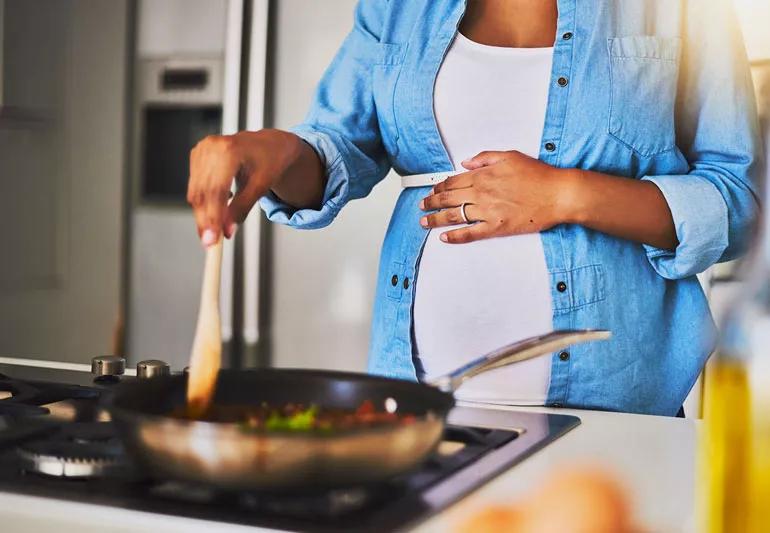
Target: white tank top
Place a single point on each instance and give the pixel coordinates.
(473, 298)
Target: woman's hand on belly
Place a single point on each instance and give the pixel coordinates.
(510, 193)
(506, 193)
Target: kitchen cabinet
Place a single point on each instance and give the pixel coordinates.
(2, 10)
(32, 144)
(33, 45)
(61, 162)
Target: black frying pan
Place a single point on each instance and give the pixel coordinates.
(225, 456)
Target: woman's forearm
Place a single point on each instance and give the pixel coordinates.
(302, 183)
(627, 208)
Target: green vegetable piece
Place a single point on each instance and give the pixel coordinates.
(303, 420)
(276, 422)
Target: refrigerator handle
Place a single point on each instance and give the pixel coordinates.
(230, 112)
(255, 120)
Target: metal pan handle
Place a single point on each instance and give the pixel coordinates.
(517, 352)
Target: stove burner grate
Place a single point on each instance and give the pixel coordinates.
(17, 392)
(77, 450)
(24, 399)
(18, 399)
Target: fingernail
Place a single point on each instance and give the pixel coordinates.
(208, 238)
(464, 161)
(424, 222)
(443, 237)
(422, 204)
(231, 230)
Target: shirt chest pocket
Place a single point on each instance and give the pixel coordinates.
(643, 80)
(385, 73)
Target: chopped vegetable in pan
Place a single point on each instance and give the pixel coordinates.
(300, 420)
(298, 417)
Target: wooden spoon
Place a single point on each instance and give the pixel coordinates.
(206, 356)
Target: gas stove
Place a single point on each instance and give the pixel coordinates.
(57, 441)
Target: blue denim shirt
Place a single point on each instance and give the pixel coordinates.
(658, 91)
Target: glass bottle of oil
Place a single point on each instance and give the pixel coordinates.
(735, 448)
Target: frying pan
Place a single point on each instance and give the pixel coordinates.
(225, 456)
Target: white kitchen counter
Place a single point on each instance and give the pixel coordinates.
(653, 456)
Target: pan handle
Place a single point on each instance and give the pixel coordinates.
(517, 352)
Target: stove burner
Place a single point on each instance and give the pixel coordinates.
(78, 450)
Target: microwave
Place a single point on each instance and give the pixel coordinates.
(180, 102)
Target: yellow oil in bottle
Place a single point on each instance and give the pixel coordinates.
(760, 443)
(724, 460)
(735, 450)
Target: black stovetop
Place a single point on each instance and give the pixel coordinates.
(55, 413)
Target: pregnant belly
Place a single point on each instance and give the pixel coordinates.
(473, 298)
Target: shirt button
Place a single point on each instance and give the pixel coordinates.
(567, 36)
(406, 283)
(550, 147)
(394, 280)
(562, 81)
(561, 286)
(564, 356)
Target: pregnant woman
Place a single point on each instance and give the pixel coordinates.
(600, 155)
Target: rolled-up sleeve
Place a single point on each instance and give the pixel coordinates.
(342, 126)
(715, 204)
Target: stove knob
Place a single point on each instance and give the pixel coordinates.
(152, 368)
(108, 365)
